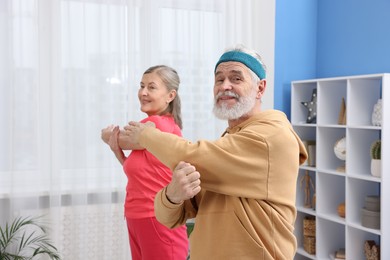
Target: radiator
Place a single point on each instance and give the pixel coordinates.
(93, 232)
(81, 226)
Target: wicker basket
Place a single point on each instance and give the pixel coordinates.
(309, 244)
(372, 250)
(309, 226)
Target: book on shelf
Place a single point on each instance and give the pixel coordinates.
(341, 253)
(310, 146)
(333, 257)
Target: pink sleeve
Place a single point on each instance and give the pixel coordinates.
(164, 124)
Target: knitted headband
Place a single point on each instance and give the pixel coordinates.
(246, 59)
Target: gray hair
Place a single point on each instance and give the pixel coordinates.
(172, 81)
(254, 54)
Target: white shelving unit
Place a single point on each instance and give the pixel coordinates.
(333, 186)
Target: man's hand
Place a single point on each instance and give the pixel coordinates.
(185, 183)
(134, 129)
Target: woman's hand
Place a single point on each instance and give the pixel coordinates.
(106, 133)
(113, 141)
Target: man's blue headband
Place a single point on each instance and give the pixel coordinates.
(252, 63)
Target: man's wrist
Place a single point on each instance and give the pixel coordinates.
(166, 195)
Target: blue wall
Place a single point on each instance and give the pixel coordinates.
(295, 47)
(329, 38)
(353, 37)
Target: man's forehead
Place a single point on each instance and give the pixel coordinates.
(231, 66)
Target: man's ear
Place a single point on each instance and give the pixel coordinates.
(261, 86)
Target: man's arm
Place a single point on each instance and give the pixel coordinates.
(123, 141)
(172, 204)
(185, 183)
(237, 164)
(223, 163)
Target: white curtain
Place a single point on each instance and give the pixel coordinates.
(68, 68)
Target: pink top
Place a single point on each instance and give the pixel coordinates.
(146, 175)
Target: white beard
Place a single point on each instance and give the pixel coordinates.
(242, 107)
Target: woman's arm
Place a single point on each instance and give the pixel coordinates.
(113, 143)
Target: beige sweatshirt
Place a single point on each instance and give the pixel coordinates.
(246, 209)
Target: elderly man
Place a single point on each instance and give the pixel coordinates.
(241, 187)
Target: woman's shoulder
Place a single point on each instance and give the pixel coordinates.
(157, 119)
(165, 123)
(154, 119)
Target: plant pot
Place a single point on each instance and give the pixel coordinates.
(376, 167)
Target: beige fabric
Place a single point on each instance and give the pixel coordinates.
(248, 179)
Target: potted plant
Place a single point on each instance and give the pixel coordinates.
(25, 238)
(376, 158)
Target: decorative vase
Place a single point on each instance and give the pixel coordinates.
(341, 210)
(376, 167)
(376, 118)
(341, 152)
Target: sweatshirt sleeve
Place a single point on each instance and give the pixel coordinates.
(170, 214)
(226, 165)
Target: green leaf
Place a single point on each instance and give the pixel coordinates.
(31, 238)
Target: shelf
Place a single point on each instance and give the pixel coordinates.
(344, 110)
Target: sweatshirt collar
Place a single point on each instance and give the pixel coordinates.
(263, 115)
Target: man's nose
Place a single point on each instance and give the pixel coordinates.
(226, 84)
